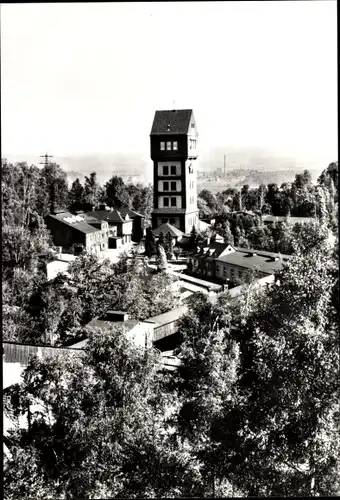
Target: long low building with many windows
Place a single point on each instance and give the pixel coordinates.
(233, 265)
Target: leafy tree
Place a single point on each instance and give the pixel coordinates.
(76, 195)
(169, 246)
(161, 239)
(287, 418)
(116, 192)
(146, 201)
(93, 192)
(204, 210)
(105, 438)
(162, 262)
(21, 247)
(193, 240)
(150, 243)
(209, 198)
(56, 185)
(223, 228)
(206, 378)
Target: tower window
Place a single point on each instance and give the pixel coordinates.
(168, 146)
(165, 186)
(173, 170)
(175, 145)
(173, 186)
(165, 202)
(165, 170)
(162, 146)
(192, 125)
(173, 202)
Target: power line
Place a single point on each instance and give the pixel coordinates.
(46, 157)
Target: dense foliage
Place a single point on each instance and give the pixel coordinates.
(36, 310)
(253, 409)
(239, 213)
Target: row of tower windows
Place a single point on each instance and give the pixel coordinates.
(172, 186)
(191, 199)
(173, 145)
(172, 170)
(191, 184)
(170, 146)
(169, 202)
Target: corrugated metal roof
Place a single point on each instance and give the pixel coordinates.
(170, 122)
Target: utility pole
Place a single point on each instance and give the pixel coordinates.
(53, 188)
(46, 157)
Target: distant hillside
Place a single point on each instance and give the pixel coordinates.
(249, 160)
(105, 165)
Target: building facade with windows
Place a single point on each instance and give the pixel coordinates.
(70, 231)
(120, 224)
(173, 142)
(228, 264)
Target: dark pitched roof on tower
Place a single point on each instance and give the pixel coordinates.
(171, 122)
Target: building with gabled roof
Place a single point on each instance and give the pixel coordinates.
(139, 332)
(70, 231)
(117, 219)
(226, 263)
(138, 220)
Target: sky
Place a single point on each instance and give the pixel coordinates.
(87, 78)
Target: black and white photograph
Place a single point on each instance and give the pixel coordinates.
(170, 250)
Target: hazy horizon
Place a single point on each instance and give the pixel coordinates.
(86, 79)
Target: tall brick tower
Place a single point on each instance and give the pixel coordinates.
(173, 142)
